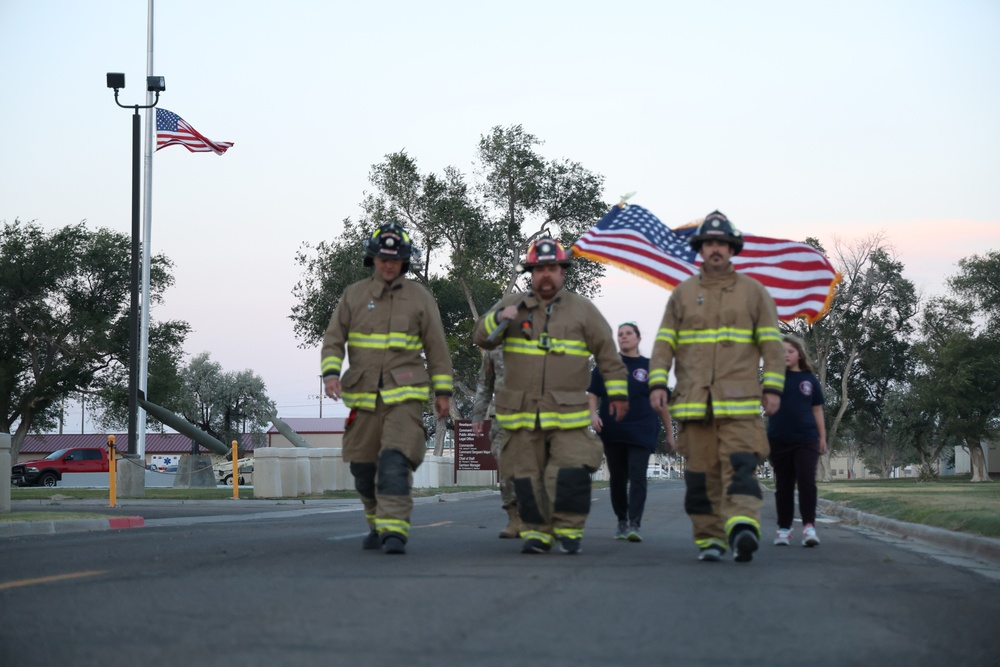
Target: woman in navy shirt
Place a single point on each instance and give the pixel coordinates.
(629, 442)
(797, 436)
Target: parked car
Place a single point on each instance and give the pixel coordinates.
(224, 471)
(50, 470)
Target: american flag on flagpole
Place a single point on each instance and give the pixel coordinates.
(172, 130)
(799, 278)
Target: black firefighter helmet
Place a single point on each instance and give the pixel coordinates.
(389, 241)
(717, 226)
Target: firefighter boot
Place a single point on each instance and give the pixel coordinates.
(513, 528)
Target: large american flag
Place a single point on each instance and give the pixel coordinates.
(799, 278)
(172, 130)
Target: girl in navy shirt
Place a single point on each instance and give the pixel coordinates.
(797, 436)
(629, 442)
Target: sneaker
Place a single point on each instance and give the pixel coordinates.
(633, 533)
(569, 545)
(394, 545)
(622, 532)
(809, 538)
(371, 541)
(744, 544)
(534, 546)
(783, 538)
(711, 553)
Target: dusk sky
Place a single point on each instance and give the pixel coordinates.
(795, 119)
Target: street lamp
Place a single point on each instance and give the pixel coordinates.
(154, 84)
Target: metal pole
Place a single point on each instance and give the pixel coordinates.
(133, 317)
(147, 231)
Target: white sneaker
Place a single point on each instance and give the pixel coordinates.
(809, 538)
(783, 538)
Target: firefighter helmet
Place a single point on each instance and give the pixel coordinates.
(717, 226)
(546, 250)
(389, 241)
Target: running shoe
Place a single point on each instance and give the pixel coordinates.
(783, 537)
(809, 538)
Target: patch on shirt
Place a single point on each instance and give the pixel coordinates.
(806, 388)
(640, 374)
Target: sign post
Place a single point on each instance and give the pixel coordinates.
(472, 452)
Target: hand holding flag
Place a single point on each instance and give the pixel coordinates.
(172, 130)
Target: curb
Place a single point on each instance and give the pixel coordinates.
(986, 548)
(18, 528)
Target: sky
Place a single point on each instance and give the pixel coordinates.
(795, 119)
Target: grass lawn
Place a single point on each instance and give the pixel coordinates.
(950, 502)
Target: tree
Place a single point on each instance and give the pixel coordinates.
(222, 404)
(471, 238)
(64, 311)
(861, 346)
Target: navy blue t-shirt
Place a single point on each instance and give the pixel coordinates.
(641, 425)
(794, 423)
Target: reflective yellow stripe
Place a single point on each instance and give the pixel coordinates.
(731, 523)
(747, 406)
(520, 346)
(331, 364)
(362, 400)
(768, 333)
(668, 336)
(564, 420)
(392, 526)
(395, 340)
(572, 533)
(576, 348)
(711, 542)
(442, 382)
(688, 410)
(774, 380)
(516, 421)
(405, 393)
(723, 334)
(616, 388)
(537, 535)
(490, 323)
(658, 376)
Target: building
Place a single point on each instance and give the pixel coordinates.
(37, 447)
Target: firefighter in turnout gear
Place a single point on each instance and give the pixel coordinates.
(548, 336)
(490, 381)
(386, 322)
(717, 326)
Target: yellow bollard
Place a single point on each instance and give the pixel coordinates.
(236, 471)
(112, 469)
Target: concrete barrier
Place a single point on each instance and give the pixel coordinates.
(5, 465)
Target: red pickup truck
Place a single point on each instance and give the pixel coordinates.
(48, 471)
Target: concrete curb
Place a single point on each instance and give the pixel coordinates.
(978, 546)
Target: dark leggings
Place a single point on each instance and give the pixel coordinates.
(794, 464)
(627, 470)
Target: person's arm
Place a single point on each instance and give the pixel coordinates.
(668, 425)
(595, 419)
(484, 394)
(821, 427)
(334, 342)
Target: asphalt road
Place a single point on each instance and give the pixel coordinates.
(273, 585)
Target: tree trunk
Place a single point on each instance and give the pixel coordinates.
(977, 457)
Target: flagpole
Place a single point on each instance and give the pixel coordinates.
(147, 215)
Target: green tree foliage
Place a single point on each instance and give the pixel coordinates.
(861, 347)
(223, 404)
(471, 236)
(64, 296)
